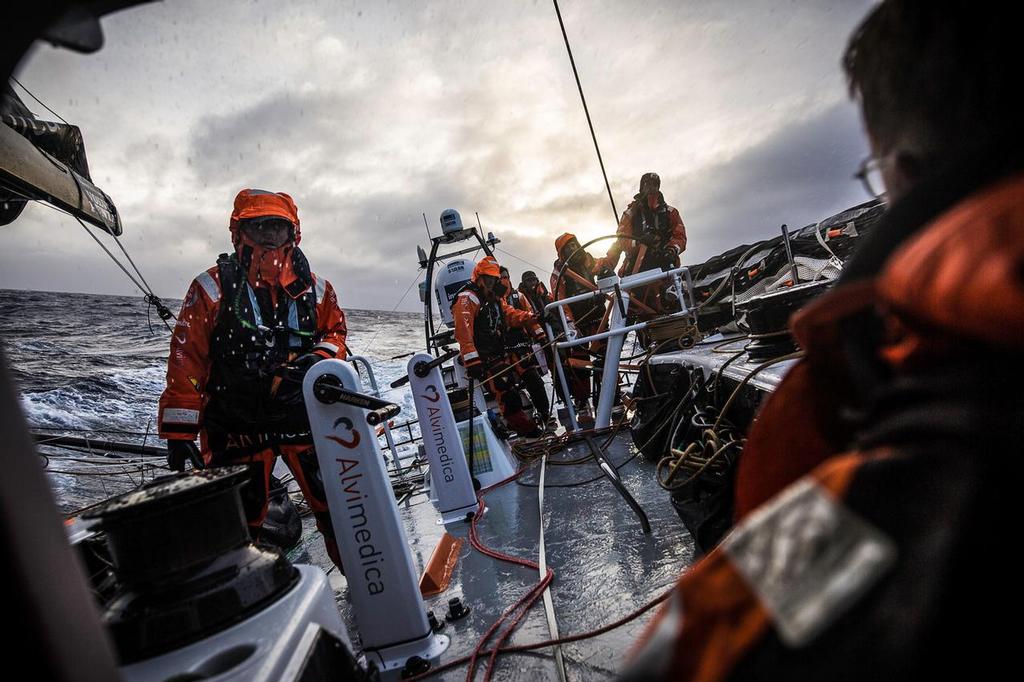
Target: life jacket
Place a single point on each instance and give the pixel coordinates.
(538, 296)
(253, 337)
(584, 312)
(489, 327)
(654, 228)
(517, 339)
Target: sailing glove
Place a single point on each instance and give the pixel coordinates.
(180, 450)
(475, 370)
(290, 392)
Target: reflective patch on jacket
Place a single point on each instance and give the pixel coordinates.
(210, 286)
(808, 558)
(177, 415)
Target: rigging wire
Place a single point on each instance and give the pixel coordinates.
(586, 110)
(533, 265)
(41, 103)
(103, 246)
(380, 325)
(152, 299)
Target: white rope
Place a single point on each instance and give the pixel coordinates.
(542, 568)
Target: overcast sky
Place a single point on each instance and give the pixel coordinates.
(371, 113)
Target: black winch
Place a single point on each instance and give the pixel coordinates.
(767, 317)
(184, 563)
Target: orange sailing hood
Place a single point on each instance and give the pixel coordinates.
(257, 203)
(487, 266)
(562, 241)
(965, 271)
(285, 266)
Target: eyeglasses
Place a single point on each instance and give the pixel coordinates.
(267, 224)
(870, 175)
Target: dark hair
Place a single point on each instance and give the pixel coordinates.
(943, 74)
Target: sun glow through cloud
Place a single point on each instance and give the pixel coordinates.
(371, 114)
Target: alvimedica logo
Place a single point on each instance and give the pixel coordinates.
(440, 444)
(371, 559)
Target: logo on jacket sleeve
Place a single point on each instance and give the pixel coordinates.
(808, 558)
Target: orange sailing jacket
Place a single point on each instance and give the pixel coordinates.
(871, 536)
(188, 368)
(479, 338)
(675, 238)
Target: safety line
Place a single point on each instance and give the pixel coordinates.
(542, 569)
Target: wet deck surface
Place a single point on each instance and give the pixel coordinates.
(605, 566)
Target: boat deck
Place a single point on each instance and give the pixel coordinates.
(604, 566)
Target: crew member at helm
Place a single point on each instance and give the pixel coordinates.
(482, 319)
(652, 236)
(249, 329)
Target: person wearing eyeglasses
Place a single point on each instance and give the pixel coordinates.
(248, 330)
(873, 496)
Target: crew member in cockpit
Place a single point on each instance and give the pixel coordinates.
(521, 352)
(482, 319)
(652, 235)
(248, 330)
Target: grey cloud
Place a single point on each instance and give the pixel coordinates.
(797, 176)
(370, 114)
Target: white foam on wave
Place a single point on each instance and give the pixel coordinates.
(131, 405)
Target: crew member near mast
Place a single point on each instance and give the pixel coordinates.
(249, 329)
(482, 319)
(520, 349)
(652, 236)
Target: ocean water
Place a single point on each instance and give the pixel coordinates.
(93, 364)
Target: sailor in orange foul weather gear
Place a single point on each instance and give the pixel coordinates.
(658, 236)
(573, 275)
(539, 297)
(248, 330)
(482, 319)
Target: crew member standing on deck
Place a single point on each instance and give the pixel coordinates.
(652, 236)
(539, 297)
(573, 275)
(482, 319)
(535, 291)
(249, 329)
(520, 347)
